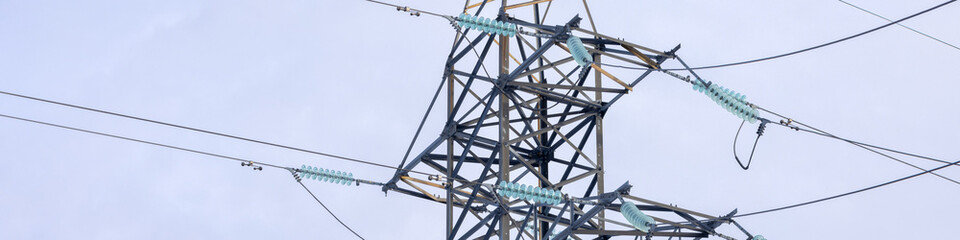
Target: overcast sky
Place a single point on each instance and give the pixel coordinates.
(353, 78)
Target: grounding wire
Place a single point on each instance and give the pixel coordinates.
(328, 210)
(206, 131)
(904, 26)
(797, 51)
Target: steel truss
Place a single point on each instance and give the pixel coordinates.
(539, 122)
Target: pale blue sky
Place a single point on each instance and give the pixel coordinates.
(353, 78)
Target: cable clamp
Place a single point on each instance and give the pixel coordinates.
(407, 9)
(788, 123)
(250, 163)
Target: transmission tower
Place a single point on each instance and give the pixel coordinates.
(521, 151)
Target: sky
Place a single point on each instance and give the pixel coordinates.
(353, 78)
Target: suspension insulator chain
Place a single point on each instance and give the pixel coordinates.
(638, 219)
(579, 52)
(530, 193)
(730, 100)
(326, 175)
(487, 25)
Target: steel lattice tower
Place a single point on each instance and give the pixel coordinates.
(537, 119)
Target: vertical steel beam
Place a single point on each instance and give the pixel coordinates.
(450, 177)
(599, 138)
(542, 123)
(449, 173)
(504, 70)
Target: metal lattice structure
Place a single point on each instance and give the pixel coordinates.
(536, 119)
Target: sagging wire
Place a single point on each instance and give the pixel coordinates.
(763, 126)
(295, 176)
(194, 129)
(243, 162)
(801, 50)
(904, 26)
(789, 121)
(750, 111)
(831, 197)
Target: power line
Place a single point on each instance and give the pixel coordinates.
(205, 131)
(142, 141)
(847, 193)
(328, 209)
(186, 150)
(794, 52)
(836, 196)
(826, 134)
(904, 26)
(816, 131)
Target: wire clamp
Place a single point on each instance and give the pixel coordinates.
(250, 163)
(408, 9)
(789, 124)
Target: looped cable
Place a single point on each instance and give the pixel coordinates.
(763, 126)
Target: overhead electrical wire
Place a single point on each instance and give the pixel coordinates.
(897, 22)
(794, 52)
(835, 196)
(142, 141)
(205, 131)
(904, 26)
(328, 210)
(186, 150)
(698, 83)
(847, 193)
(829, 135)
